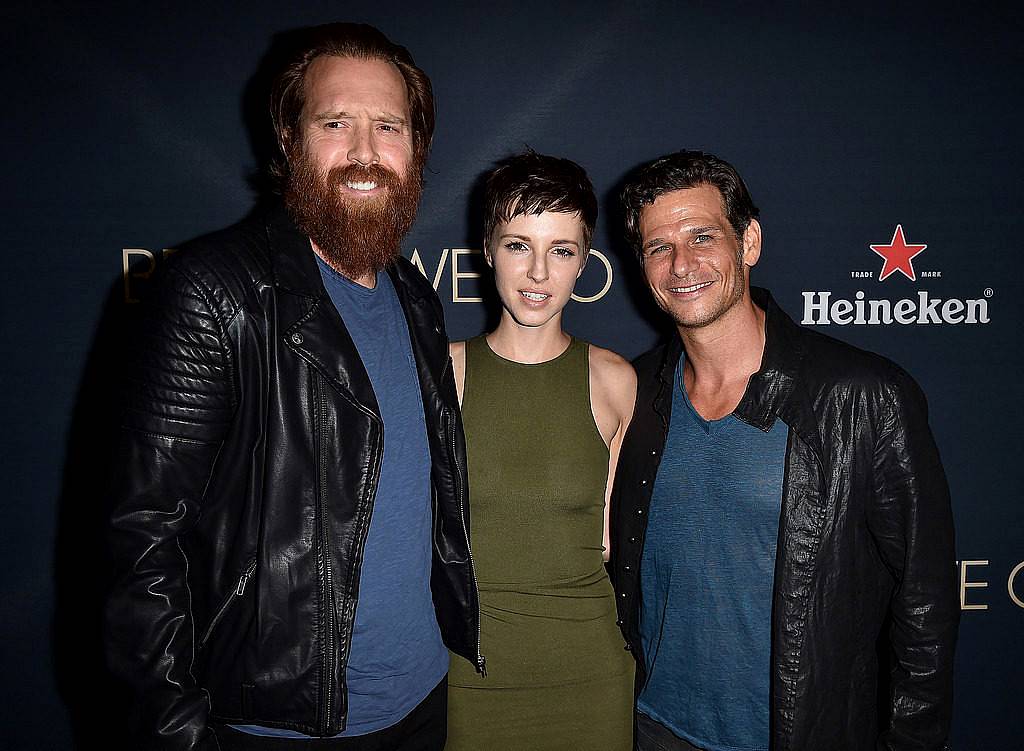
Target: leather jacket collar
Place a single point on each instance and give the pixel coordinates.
(775, 391)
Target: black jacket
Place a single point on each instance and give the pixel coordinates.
(865, 547)
(249, 459)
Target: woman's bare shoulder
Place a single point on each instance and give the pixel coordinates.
(613, 380)
(611, 367)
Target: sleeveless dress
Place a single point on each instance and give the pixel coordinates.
(557, 674)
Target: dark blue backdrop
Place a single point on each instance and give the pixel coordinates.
(138, 127)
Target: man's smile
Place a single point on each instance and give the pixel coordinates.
(361, 186)
(690, 288)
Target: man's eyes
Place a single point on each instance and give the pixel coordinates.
(382, 127)
(701, 239)
(516, 247)
(562, 251)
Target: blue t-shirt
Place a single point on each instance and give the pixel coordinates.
(706, 576)
(397, 655)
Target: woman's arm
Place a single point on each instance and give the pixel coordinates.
(457, 350)
(612, 396)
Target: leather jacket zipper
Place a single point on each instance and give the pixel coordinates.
(329, 616)
(233, 595)
(324, 572)
(481, 663)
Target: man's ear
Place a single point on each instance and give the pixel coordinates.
(752, 243)
(487, 254)
(288, 143)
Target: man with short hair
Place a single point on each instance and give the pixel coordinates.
(779, 512)
(291, 526)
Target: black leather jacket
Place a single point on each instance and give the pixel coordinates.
(865, 547)
(248, 464)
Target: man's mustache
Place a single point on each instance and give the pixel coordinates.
(359, 173)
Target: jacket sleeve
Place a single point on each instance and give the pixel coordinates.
(912, 522)
(180, 403)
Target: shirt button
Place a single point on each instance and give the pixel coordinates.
(627, 568)
(632, 539)
(297, 338)
(639, 510)
(654, 453)
(623, 594)
(643, 482)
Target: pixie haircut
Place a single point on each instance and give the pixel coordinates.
(678, 171)
(532, 183)
(363, 42)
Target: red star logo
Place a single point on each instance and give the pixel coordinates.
(898, 256)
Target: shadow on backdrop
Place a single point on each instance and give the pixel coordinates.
(255, 106)
(99, 706)
(637, 293)
(476, 263)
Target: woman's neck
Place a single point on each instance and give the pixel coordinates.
(528, 344)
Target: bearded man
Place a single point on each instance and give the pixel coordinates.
(291, 521)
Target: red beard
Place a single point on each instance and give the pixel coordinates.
(357, 237)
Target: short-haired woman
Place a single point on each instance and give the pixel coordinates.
(544, 415)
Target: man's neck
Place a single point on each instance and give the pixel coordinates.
(368, 280)
(721, 357)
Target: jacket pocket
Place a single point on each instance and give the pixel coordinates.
(229, 600)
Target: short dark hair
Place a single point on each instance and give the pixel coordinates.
(532, 183)
(361, 41)
(678, 171)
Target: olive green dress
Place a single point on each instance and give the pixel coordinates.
(557, 674)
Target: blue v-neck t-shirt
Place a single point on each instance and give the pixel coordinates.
(706, 578)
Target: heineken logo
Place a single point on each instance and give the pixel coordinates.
(821, 309)
(921, 308)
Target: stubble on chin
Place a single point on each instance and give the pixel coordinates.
(706, 318)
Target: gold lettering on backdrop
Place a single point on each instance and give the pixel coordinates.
(457, 275)
(965, 585)
(452, 255)
(607, 282)
(126, 264)
(417, 261)
(1009, 584)
(130, 272)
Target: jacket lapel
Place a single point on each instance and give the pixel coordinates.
(775, 390)
(306, 317)
(666, 380)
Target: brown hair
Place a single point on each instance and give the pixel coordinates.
(532, 183)
(288, 93)
(679, 171)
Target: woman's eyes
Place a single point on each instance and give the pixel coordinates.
(517, 246)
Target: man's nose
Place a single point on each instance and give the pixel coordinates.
(363, 150)
(684, 260)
